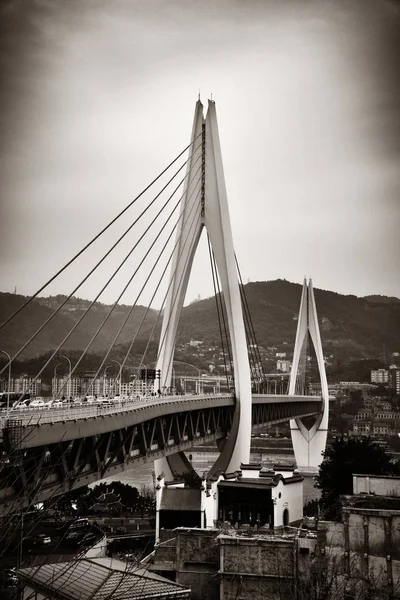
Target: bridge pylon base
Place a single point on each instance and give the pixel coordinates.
(308, 446)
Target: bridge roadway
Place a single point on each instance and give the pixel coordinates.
(46, 452)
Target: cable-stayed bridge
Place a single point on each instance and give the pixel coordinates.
(48, 453)
(53, 451)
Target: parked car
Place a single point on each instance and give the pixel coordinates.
(42, 539)
(8, 579)
(79, 524)
(32, 542)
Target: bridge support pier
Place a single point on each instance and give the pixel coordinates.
(309, 443)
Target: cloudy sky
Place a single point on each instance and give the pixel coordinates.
(98, 96)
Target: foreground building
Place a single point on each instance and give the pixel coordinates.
(229, 563)
(355, 559)
(365, 546)
(97, 579)
(254, 496)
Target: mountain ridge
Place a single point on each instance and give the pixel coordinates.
(354, 327)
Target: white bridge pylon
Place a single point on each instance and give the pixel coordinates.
(208, 209)
(308, 444)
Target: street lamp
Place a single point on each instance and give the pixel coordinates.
(69, 384)
(104, 379)
(55, 390)
(120, 374)
(9, 380)
(218, 381)
(173, 387)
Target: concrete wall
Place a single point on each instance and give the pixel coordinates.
(291, 499)
(197, 562)
(381, 486)
(209, 503)
(369, 542)
(255, 567)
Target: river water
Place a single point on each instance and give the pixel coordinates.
(142, 475)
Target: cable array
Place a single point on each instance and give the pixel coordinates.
(155, 240)
(220, 305)
(116, 271)
(256, 364)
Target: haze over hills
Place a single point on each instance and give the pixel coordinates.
(350, 326)
(354, 328)
(20, 329)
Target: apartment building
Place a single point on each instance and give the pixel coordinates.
(379, 376)
(25, 385)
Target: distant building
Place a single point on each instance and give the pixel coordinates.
(379, 376)
(70, 388)
(363, 414)
(25, 385)
(382, 429)
(362, 428)
(138, 387)
(394, 380)
(283, 365)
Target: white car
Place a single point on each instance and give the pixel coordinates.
(57, 404)
(22, 405)
(39, 403)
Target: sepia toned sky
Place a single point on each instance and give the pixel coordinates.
(98, 96)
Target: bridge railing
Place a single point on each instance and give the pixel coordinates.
(73, 412)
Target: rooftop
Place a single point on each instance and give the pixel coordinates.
(101, 579)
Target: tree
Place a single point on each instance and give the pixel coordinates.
(341, 461)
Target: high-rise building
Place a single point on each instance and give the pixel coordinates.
(394, 379)
(25, 385)
(69, 388)
(379, 376)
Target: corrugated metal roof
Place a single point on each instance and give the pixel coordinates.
(98, 579)
(180, 499)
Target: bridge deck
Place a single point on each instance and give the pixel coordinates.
(48, 452)
(73, 412)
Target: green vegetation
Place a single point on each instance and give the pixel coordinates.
(82, 501)
(343, 459)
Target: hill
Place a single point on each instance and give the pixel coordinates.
(20, 329)
(352, 328)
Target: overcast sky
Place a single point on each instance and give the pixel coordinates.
(98, 96)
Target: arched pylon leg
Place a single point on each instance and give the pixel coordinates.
(309, 444)
(213, 214)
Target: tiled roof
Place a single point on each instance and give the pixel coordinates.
(101, 579)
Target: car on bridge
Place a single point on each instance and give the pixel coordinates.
(40, 403)
(21, 405)
(57, 403)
